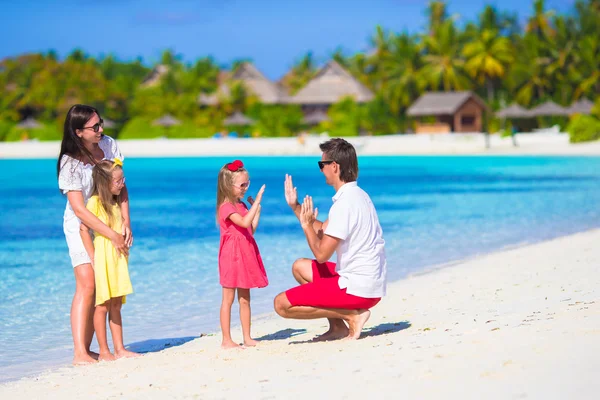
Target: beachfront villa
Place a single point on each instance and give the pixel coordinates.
(329, 85)
(445, 112)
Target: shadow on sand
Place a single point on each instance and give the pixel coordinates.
(381, 329)
(283, 334)
(156, 345)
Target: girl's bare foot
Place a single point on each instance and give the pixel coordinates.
(357, 322)
(126, 354)
(83, 359)
(229, 344)
(250, 342)
(106, 356)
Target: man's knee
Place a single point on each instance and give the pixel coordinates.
(281, 304)
(302, 270)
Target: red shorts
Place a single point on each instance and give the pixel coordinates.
(324, 291)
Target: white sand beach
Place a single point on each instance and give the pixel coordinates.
(521, 323)
(422, 144)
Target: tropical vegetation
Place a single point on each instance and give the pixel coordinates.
(549, 57)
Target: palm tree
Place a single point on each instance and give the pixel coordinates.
(300, 73)
(488, 58)
(539, 23)
(437, 14)
(589, 59)
(529, 77)
(402, 81)
(444, 66)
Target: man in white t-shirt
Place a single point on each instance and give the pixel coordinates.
(342, 292)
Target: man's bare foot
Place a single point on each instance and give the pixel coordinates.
(332, 334)
(83, 359)
(230, 344)
(126, 354)
(93, 354)
(357, 322)
(106, 356)
(250, 342)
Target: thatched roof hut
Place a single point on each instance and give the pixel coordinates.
(442, 103)
(237, 118)
(549, 108)
(29, 123)
(315, 117)
(257, 84)
(331, 84)
(582, 106)
(153, 78)
(166, 120)
(453, 111)
(514, 111)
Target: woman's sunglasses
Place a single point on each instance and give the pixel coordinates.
(96, 127)
(322, 164)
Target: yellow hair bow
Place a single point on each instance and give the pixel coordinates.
(117, 161)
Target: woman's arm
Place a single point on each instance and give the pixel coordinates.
(88, 243)
(75, 198)
(125, 214)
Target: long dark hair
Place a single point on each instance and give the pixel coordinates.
(71, 144)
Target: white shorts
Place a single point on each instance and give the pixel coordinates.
(77, 251)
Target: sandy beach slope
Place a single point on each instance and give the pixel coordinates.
(439, 144)
(522, 323)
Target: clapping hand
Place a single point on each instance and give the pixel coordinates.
(251, 199)
(308, 215)
(291, 194)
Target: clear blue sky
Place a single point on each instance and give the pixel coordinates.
(273, 33)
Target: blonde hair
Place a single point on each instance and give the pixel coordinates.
(103, 180)
(225, 186)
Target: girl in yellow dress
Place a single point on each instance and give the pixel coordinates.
(110, 269)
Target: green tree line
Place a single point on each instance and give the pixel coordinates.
(546, 56)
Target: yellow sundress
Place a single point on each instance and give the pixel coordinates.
(110, 269)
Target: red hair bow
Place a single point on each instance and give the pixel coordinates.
(234, 166)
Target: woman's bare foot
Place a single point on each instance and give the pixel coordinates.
(83, 359)
(357, 322)
(126, 354)
(106, 356)
(250, 342)
(230, 344)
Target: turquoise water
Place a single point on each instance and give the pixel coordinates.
(432, 209)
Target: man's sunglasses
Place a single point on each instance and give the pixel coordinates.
(322, 164)
(96, 127)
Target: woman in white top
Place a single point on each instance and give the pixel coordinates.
(83, 145)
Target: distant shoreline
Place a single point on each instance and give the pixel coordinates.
(422, 144)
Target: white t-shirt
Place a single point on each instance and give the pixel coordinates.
(76, 175)
(361, 261)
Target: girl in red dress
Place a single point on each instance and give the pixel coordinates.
(240, 265)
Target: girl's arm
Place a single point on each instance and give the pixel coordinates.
(256, 217)
(90, 220)
(88, 243)
(247, 220)
(125, 214)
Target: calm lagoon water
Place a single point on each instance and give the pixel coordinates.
(433, 210)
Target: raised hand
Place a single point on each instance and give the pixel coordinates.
(259, 195)
(308, 215)
(291, 194)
